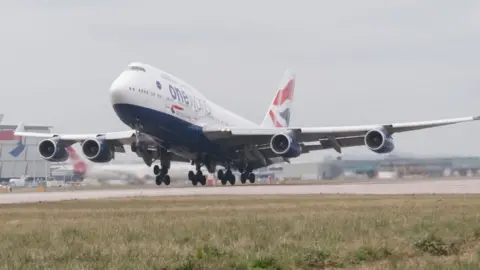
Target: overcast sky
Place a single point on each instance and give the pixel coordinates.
(357, 62)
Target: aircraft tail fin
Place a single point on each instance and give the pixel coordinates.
(79, 165)
(278, 114)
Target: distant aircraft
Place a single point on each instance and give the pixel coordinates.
(173, 121)
(133, 173)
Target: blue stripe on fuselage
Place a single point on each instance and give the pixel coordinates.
(166, 127)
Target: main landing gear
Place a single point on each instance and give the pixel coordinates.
(229, 177)
(161, 172)
(247, 176)
(198, 177)
(226, 176)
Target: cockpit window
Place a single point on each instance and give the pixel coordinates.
(136, 68)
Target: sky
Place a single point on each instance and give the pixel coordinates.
(357, 62)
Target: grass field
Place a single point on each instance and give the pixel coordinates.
(295, 232)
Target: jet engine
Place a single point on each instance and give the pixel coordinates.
(53, 150)
(379, 141)
(285, 146)
(97, 150)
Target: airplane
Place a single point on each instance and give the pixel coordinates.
(171, 121)
(133, 173)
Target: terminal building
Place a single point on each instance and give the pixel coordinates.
(19, 156)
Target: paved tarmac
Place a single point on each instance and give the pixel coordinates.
(463, 186)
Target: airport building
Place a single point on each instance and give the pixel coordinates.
(19, 156)
(389, 167)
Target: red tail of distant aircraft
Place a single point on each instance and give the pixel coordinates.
(79, 165)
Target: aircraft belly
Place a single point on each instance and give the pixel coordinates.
(165, 127)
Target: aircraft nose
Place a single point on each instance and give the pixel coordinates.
(119, 90)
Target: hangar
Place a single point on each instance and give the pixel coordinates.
(19, 156)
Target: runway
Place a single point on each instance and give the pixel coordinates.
(463, 186)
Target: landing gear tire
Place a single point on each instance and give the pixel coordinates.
(247, 176)
(156, 170)
(230, 177)
(191, 175)
(160, 172)
(197, 178)
(166, 180)
(251, 177)
(243, 178)
(158, 180)
(161, 175)
(202, 179)
(220, 175)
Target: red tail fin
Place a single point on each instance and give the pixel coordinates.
(278, 114)
(79, 166)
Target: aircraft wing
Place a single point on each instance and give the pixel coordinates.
(118, 139)
(239, 139)
(323, 137)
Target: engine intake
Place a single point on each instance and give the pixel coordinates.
(53, 151)
(285, 146)
(379, 141)
(97, 151)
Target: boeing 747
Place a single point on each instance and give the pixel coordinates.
(170, 120)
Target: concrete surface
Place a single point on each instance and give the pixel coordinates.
(183, 184)
(462, 186)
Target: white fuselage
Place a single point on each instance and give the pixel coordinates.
(142, 89)
(160, 105)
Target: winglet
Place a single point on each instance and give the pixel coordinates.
(20, 129)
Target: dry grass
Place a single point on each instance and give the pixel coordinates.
(296, 232)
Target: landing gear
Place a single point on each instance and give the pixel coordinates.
(133, 147)
(247, 176)
(198, 177)
(161, 172)
(227, 176)
(140, 146)
(165, 179)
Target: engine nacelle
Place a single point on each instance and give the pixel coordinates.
(285, 146)
(379, 141)
(53, 150)
(97, 151)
